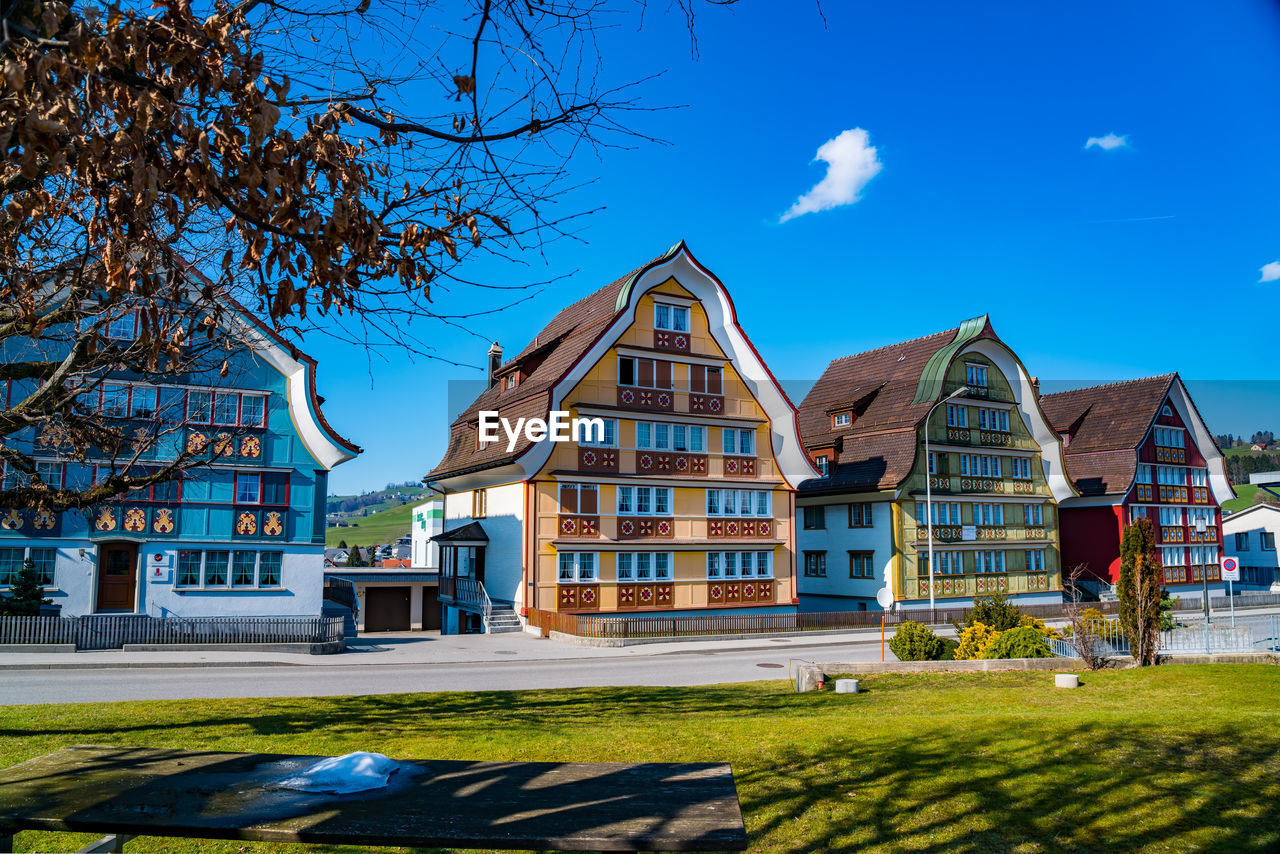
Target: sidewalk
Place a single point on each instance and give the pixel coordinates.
(416, 649)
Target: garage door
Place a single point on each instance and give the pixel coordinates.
(386, 609)
(431, 618)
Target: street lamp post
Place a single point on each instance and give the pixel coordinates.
(1201, 528)
(928, 486)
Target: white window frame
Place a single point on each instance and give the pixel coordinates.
(579, 574)
(673, 312)
(609, 439)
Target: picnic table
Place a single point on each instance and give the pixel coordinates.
(608, 806)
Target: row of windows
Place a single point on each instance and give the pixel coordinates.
(1173, 475)
(267, 488)
(224, 568)
(177, 405)
(981, 513)
(739, 564)
(948, 562)
(981, 465)
(656, 500)
(1266, 540)
(739, 502)
(584, 567)
(42, 560)
(861, 564)
(1174, 516)
(815, 517)
(1200, 556)
(691, 438)
(644, 500)
(988, 419)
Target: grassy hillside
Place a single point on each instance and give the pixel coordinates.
(1244, 497)
(374, 530)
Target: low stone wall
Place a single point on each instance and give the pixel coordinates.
(809, 675)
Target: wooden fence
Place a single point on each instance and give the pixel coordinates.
(114, 631)
(659, 626)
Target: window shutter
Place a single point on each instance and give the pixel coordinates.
(664, 375)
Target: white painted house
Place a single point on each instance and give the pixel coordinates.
(1250, 537)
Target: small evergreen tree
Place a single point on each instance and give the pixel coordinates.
(996, 612)
(1139, 589)
(342, 544)
(354, 558)
(26, 595)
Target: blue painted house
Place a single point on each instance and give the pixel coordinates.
(243, 536)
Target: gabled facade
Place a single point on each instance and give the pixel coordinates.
(684, 505)
(1139, 449)
(994, 468)
(242, 537)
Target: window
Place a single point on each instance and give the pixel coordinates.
(860, 516)
(1173, 557)
(1268, 541)
(124, 327)
(993, 419)
(253, 410)
(975, 375)
(688, 438)
(670, 437)
(577, 567)
(739, 502)
(643, 500)
(822, 464)
(1171, 476)
(609, 439)
(143, 403)
(1035, 560)
(843, 419)
(645, 373)
(944, 513)
(269, 568)
(199, 407)
(215, 568)
(1171, 437)
(188, 569)
(243, 565)
(705, 380)
(988, 561)
(1144, 473)
(226, 408)
(1204, 555)
(1242, 542)
(1202, 514)
(957, 416)
(275, 488)
(479, 503)
(511, 381)
(988, 514)
(173, 404)
(933, 462)
(1033, 514)
(1171, 516)
(744, 564)
(50, 474)
(815, 518)
(1020, 467)
(580, 498)
(739, 441)
(115, 400)
(10, 564)
(1199, 477)
(248, 487)
(948, 562)
(672, 317)
(815, 564)
(860, 564)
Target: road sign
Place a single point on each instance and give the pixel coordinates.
(1230, 569)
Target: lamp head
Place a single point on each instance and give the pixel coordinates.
(962, 390)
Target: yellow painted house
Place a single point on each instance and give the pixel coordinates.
(682, 502)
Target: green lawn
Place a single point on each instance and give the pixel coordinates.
(375, 529)
(1179, 758)
(1244, 497)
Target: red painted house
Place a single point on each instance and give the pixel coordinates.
(1140, 449)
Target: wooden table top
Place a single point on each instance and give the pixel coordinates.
(522, 805)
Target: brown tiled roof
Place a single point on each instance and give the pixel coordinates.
(878, 449)
(1106, 424)
(559, 346)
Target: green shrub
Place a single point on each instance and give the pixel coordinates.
(995, 611)
(1022, 642)
(915, 642)
(949, 647)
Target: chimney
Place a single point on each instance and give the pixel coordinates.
(495, 361)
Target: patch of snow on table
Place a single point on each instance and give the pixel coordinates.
(355, 772)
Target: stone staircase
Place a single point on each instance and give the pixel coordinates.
(502, 618)
(333, 609)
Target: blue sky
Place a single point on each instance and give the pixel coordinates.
(1095, 263)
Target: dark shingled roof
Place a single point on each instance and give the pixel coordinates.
(878, 449)
(550, 355)
(1106, 424)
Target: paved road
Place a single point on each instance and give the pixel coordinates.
(656, 667)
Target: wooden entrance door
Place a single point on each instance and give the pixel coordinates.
(386, 609)
(117, 576)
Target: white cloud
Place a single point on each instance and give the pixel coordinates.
(1270, 272)
(1108, 142)
(851, 162)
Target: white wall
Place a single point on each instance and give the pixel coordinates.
(504, 524)
(1252, 523)
(837, 540)
(426, 554)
